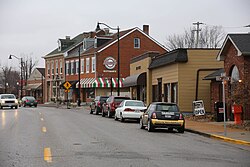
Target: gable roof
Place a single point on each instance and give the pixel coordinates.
(41, 70)
(213, 75)
(240, 41)
(125, 33)
(175, 56)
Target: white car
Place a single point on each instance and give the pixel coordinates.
(8, 100)
(130, 109)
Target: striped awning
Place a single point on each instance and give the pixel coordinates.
(100, 82)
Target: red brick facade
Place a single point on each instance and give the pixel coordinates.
(243, 64)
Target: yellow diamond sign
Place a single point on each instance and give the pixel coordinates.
(67, 85)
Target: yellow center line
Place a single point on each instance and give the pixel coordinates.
(47, 155)
(44, 129)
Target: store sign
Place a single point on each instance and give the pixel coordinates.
(198, 108)
(109, 63)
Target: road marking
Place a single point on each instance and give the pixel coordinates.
(42, 119)
(47, 155)
(44, 129)
(40, 113)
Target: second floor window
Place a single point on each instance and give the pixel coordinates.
(72, 68)
(67, 68)
(61, 69)
(136, 42)
(52, 67)
(87, 65)
(77, 66)
(82, 65)
(56, 66)
(48, 68)
(93, 64)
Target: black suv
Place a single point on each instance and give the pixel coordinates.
(111, 104)
(96, 105)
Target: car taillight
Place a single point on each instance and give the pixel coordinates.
(99, 103)
(27, 100)
(181, 116)
(113, 105)
(36, 101)
(129, 110)
(154, 116)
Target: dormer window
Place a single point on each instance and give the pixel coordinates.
(59, 45)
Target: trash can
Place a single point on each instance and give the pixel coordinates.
(218, 107)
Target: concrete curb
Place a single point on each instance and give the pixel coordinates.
(226, 139)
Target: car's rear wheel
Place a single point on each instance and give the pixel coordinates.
(141, 124)
(150, 126)
(116, 118)
(91, 111)
(181, 129)
(122, 119)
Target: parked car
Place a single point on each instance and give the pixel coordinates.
(8, 100)
(96, 105)
(29, 101)
(108, 108)
(163, 115)
(130, 109)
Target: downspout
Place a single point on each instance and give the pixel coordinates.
(197, 79)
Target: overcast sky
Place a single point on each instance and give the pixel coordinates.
(32, 27)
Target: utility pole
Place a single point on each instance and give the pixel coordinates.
(197, 32)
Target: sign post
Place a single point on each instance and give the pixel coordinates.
(66, 86)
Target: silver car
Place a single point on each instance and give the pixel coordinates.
(8, 100)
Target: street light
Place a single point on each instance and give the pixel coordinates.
(79, 78)
(21, 85)
(118, 54)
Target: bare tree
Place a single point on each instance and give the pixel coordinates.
(209, 37)
(9, 84)
(28, 65)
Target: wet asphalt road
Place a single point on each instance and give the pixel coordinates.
(34, 137)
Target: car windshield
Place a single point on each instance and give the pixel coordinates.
(103, 98)
(120, 99)
(134, 103)
(167, 107)
(8, 97)
(30, 98)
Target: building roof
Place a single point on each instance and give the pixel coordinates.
(69, 44)
(175, 56)
(41, 70)
(240, 41)
(215, 74)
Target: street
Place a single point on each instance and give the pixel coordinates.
(46, 136)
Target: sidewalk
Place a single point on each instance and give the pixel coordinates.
(208, 129)
(216, 130)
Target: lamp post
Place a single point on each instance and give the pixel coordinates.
(79, 78)
(118, 52)
(21, 82)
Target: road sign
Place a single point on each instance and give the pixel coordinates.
(66, 90)
(67, 85)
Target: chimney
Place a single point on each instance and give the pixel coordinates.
(146, 29)
(67, 37)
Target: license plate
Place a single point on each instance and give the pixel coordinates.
(167, 116)
(167, 113)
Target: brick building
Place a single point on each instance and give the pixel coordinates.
(94, 54)
(235, 53)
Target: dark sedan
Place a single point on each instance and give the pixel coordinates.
(163, 115)
(29, 101)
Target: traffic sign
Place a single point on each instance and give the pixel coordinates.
(67, 85)
(66, 90)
